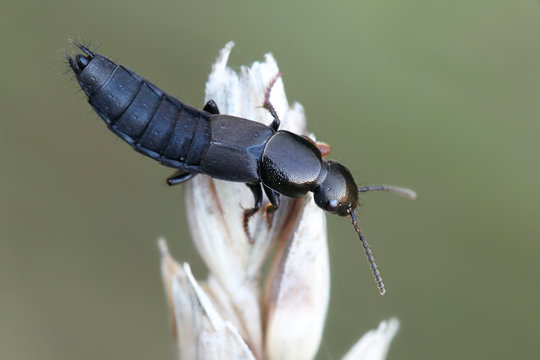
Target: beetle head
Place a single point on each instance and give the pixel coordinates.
(337, 192)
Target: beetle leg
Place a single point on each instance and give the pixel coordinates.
(179, 176)
(211, 107)
(257, 194)
(268, 105)
(269, 210)
(323, 147)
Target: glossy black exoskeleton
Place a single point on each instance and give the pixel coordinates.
(221, 146)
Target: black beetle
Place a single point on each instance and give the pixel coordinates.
(221, 146)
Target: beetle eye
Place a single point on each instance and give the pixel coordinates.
(333, 205)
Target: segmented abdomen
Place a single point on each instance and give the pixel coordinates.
(153, 122)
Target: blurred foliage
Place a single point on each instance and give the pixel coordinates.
(438, 96)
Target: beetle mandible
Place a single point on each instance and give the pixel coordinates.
(222, 146)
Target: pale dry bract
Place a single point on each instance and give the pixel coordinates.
(239, 312)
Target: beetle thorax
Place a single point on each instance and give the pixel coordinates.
(290, 164)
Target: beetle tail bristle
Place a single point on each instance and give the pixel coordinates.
(84, 46)
(72, 63)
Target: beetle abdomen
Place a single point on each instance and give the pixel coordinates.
(151, 121)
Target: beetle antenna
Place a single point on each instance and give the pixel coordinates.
(405, 192)
(371, 260)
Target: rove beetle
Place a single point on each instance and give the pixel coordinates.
(222, 146)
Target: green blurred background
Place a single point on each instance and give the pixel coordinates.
(441, 96)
